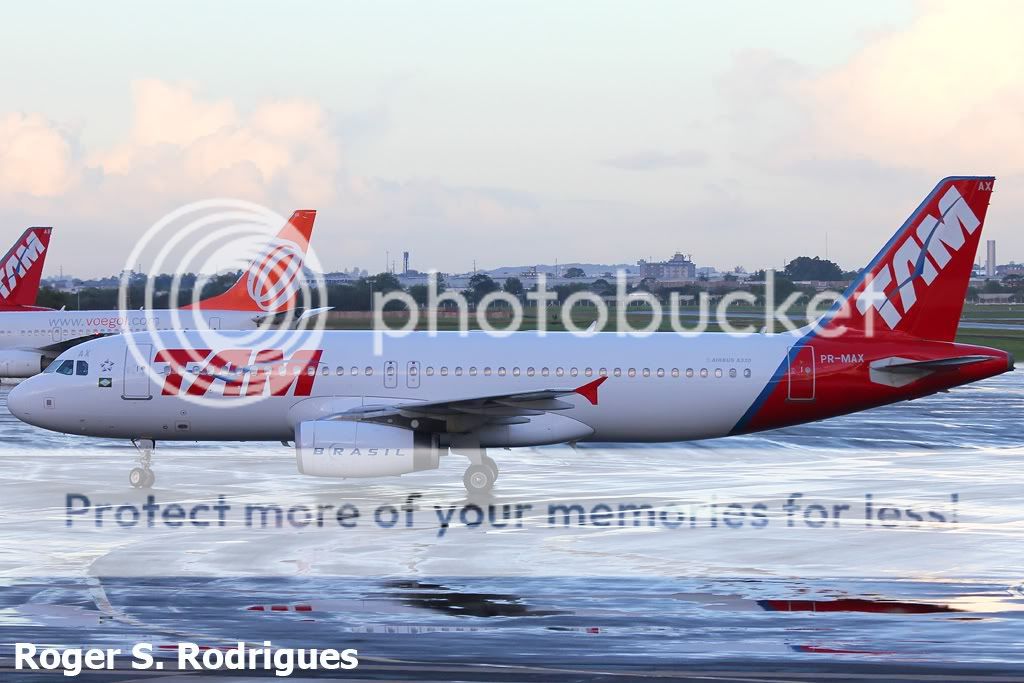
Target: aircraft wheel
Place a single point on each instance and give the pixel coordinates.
(489, 463)
(149, 480)
(479, 479)
(137, 477)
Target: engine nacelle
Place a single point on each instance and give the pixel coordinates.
(15, 363)
(342, 448)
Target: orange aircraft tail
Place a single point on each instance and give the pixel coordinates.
(269, 284)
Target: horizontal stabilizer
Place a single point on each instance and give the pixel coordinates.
(938, 364)
(298, 316)
(899, 372)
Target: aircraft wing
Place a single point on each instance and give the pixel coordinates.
(60, 347)
(507, 408)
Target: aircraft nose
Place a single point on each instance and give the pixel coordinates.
(29, 400)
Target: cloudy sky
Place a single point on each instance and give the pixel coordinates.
(511, 132)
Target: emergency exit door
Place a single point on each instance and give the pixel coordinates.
(801, 373)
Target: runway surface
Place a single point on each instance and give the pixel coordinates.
(887, 545)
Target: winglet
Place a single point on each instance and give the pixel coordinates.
(589, 391)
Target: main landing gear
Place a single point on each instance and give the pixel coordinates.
(481, 474)
(482, 471)
(142, 477)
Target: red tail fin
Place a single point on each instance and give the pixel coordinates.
(917, 284)
(269, 283)
(22, 268)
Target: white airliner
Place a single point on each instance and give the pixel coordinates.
(30, 338)
(354, 414)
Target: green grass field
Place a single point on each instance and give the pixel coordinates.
(1001, 313)
(1010, 341)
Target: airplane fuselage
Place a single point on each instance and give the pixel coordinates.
(29, 340)
(664, 387)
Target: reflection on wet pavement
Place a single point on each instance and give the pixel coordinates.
(633, 599)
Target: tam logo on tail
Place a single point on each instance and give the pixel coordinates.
(918, 282)
(270, 284)
(22, 268)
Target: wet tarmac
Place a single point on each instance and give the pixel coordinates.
(887, 545)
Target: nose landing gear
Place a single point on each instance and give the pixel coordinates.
(142, 477)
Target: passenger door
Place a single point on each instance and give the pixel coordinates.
(412, 376)
(137, 385)
(801, 373)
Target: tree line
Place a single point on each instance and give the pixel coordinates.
(358, 295)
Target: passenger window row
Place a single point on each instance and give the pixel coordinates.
(487, 371)
(72, 332)
(278, 369)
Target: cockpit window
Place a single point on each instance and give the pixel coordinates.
(81, 368)
(66, 367)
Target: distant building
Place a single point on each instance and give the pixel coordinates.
(998, 298)
(1010, 268)
(405, 263)
(678, 268)
(61, 283)
(990, 259)
(327, 279)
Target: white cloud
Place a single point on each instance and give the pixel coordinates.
(798, 150)
(180, 143)
(285, 154)
(945, 94)
(166, 113)
(655, 160)
(850, 149)
(35, 157)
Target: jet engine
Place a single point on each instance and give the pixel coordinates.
(343, 448)
(16, 363)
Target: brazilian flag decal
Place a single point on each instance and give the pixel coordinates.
(105, 382)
